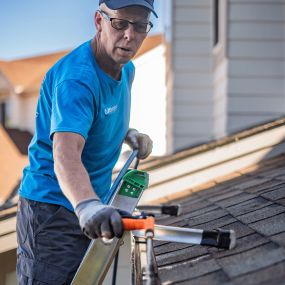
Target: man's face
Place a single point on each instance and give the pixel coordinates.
(121, 45)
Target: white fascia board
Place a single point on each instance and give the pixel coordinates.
(7, 226)
(198, 169)
(184, 183)
(8, 238)
(218, 155)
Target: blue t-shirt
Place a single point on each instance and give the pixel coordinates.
(78, 96)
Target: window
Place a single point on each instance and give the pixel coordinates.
(2, 113)
(216, 22)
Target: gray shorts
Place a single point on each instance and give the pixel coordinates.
(51, 244)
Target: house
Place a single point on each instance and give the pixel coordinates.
(217, 69)
(225, 67)
(22, 80)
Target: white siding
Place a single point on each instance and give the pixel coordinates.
(256, 68)
(4, 86)
(193, 100)
(239, 83)
(239, 121)
(256, 11)
(257, 50)
(256, 62)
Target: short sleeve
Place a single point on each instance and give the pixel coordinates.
(132, 73)
(73, 108)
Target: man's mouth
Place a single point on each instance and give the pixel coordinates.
(125, 49)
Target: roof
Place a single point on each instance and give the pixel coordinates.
(11, 165)
(26, 75)
(20, 138)
(150, 43)
(251, 202)
(248, 199)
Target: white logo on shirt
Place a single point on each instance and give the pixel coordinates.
(110, 110)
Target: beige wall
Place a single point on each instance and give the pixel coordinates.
(148, 112)
(22, 110)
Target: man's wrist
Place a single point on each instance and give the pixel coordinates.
(84, 204)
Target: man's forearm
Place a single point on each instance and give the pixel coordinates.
(73, 180)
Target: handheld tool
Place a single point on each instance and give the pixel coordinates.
(171, 210)
(219, 238)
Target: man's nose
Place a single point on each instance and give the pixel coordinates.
(129, 33)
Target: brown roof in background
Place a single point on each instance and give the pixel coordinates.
(150, 43)
(26, 75)
(20, 138)
(251, 202)
(12, 163)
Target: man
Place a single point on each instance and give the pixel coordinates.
(81, 122)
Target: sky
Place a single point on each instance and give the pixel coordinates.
(35, 27)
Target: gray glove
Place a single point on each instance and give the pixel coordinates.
(139, 141)
(99, 220)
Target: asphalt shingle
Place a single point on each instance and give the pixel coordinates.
(275, 194)
(279, 238)
(253, 205)
(252, 260)
(264, 187)
(270, 226)
(188, 270)
(215, 278)
(181, 255)
(261, 214)
(234, 200)
(272, 275)
(248, 206)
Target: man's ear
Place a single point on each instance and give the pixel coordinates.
(98, 21)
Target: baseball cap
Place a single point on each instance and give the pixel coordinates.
(118, 4)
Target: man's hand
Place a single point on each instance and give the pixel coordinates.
(99, 220)
(139, 141)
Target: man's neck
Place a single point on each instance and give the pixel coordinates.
(107, 65)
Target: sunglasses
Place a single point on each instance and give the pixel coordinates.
(121, 24)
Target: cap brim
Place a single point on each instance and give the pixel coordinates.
(119, 4)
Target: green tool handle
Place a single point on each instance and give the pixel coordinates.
(124, 170)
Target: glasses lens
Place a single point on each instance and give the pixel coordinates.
(141, 27)
(119, 24)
